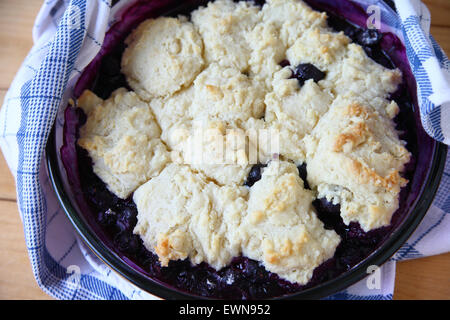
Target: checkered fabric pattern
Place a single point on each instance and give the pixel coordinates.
(67, 35)
(431, 67)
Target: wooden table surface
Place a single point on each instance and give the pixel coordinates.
(426, 278)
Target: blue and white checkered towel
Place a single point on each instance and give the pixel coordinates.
(67, 35)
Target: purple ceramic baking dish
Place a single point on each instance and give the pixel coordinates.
(84, 199)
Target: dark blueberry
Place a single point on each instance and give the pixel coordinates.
(325, 271)
(110, 65)
(116, 81)
(284, 63)
(352, 32)
(127, 242)
(377, 55)
(234, 293)
(259, 3)
(355, 231)
(105, 85)
(254, 175)
(210, 284)
(303, 174)
(203, 281)
(348, 258)
(135, 244)
(324, 205)
(100, 196)
(239, 265)
(306, 71)
(369, 51)
(107, 218)
(126, 219)
(186, 279)
(253, 271)
(227, 276)
(329, 214)
(340, 24)
(258, 292)
(121, 241)
(351, 251)
(369, 37)
(152, 265)
(144, 256)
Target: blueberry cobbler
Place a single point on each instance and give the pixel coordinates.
(250, 226)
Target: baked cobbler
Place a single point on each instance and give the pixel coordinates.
(243, 226)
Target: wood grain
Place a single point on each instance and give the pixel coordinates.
(7, 184)
(442, 36)
(17, 19)
(16, 278)
(439, 10)
(426, 278)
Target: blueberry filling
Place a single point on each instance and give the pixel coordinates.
(243, 278)
(128, 242)
(328, 213)
(110, 77)
(369, 37)
(303, 174)
(122, 221)
(284, 63)
(258, 3)
(101, 197)
(254, 175)
(306, 71)
(107, 218)
(356, 243)
(127, 218)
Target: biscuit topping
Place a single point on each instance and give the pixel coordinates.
(231, 68)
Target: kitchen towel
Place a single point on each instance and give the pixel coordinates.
(67, 35)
